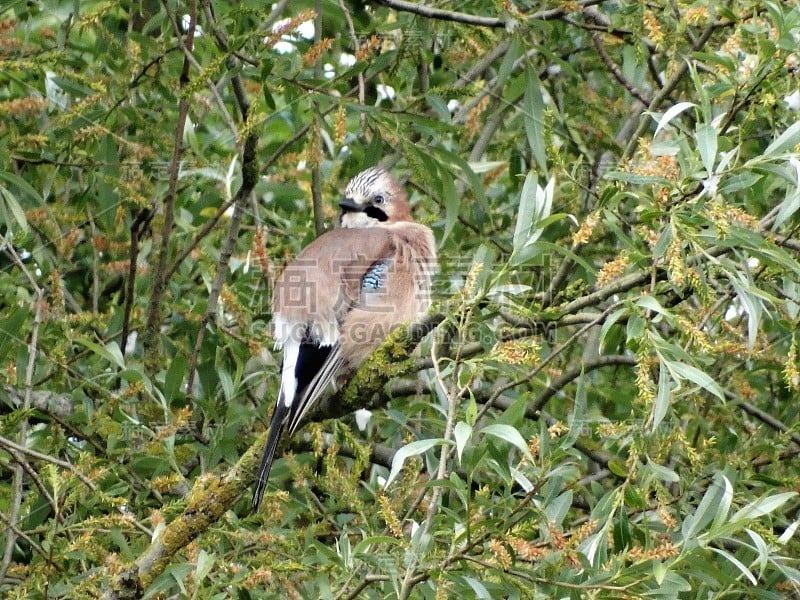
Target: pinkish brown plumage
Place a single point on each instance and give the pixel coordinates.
(343, 294)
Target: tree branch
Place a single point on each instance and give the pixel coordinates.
(443, 15)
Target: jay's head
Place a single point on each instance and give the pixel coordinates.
(373, 197)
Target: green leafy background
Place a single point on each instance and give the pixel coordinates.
(604, 401)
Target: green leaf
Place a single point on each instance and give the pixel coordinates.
(479, 589)
(609, 323)
(486, 166)
(785, 141)
(12, 210)
(761, 549)
(381, 62)
(706, 510)
(535, 205)
(662, 402)
(634, 178)
(177, 370)
(737, 563)
(452, 203)
(510, 58)
(682, 371)
(205, 562)
(577, 418)
(527, 204)
(109, 352)
(762, 506)
(461, 433)
(22, 185)
(534, 118)
(788, 207)
(724, 505)
(618, 467)
(663, 473)
(365, 545)
(671, 113)
(651, 303)
(413, 449)
(789, 532)
(509, 434)
(707, 146)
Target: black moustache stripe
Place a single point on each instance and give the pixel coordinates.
(376, 213)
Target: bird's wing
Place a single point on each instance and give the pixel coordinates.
(344, 259)
(333, 305)
(308, 396)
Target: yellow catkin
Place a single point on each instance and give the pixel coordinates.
(20, 107)
(517, 352)
(613, 269)
(368, 48)
(389, 516)
(475, 121)
(340, 126)
(316, 51)
(525, 550)
(500, 553)
(791, 375)
(586, 229)
(653, 27)
(291, 25)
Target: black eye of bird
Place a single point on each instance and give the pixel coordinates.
(378, 199)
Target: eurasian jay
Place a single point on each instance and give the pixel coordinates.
(343, 294)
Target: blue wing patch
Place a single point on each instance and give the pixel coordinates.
(375, 277)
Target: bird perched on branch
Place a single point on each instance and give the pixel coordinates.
(342, 295)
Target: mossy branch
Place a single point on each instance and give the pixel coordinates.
(214, 495)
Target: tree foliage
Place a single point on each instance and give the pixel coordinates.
(604, 400)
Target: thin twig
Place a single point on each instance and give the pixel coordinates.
(443, 15)
(617, 72)
(159, 281)
(33, 351)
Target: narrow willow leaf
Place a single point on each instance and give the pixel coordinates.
(609, 323)
(680, 371)
(486, 166)
(409, 450)
(752, 307)
(11, 207)
(509, 434)
(479, 589)
(461, 433)
(661, 405)
(663, 473)
(534, 118)
(706, 510)
(762, 506)
(577, 417)
(634, 178)
(737, 563)
(707, 145)
(452, 205)
(649, 302)
(22, 185)
(761, 548)
(724, 506)
(591, 545)
(527, 203)
(671, 113)
(789, 206)
(659, 571)
(110, 351)
(205, 562)
(788, 532)
(786, 141)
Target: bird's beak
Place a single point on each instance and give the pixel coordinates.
(349, 205)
